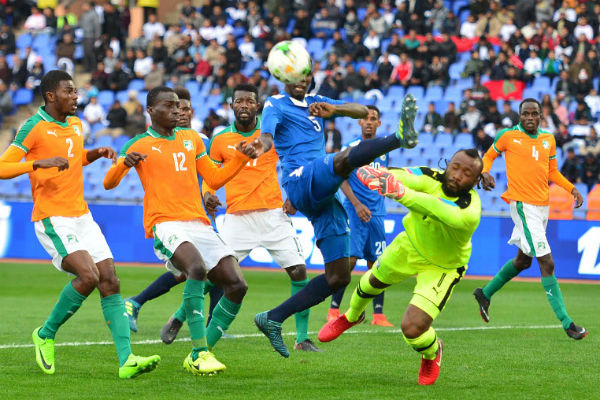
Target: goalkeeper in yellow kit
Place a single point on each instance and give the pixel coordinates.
(436, 246)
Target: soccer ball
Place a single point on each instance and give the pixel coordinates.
(289, 62)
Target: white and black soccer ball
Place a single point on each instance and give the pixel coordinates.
(289, 62)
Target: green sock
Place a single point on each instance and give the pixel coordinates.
(180, 313)
(208, 285)
(302, 316)
(68, 303)
(222, 316)
(556, 300)
(116, 319)
(193, 301)
(361, 297)
(505, 274)
(426, 344)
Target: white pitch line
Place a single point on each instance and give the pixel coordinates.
(255, 335)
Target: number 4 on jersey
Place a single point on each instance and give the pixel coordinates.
(534, 153)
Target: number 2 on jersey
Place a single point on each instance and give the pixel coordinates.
(179, 159)
(70, 143)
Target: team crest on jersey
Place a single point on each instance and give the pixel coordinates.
(541, 246)
(72, 239)
(545, 144)
(382, 157)
(189, 146)
(77, 130)
(172, 239)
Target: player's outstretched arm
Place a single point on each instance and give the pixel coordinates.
(11, 167)
(92, 155)
(266, 142)
(326, 110)
(362, 211)
(216, 176)
(117, 171)
(555, 176)
(487, 180)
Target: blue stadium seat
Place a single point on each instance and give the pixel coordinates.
(104, 141)
(463, 140)
(465, 83)
(416, 91)
(396, 92)
(455, 70)
(366, 65)
(142, 97)
(122, 96)
(22, 97)
(136, 84)
(441, 106)
(542, 83)
(453, 93)
(23, 41)
(78, 54)
(106, 98)
(193, 87)
(434, 93)
(531, 92)
(119, 142)
(443, 140)
(425, 139)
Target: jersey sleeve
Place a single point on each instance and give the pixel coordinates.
(128, 147)
(115, 174)
(26, 136)
(442, 210)
(495, 150)
(214, 149)
(271, 117)
(10, 166)
(412, 178)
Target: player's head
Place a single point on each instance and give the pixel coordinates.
(58, 90)
(185, 107)
(530, 115)
(298, 90)
(162, 104)
(370, 123)
(245, 103)
(462, 173)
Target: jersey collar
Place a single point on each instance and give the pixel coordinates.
(295, 102)
(520, 127)
(157, 135)
(46, 117)
(245, 134)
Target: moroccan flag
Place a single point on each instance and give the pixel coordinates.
(505, 90)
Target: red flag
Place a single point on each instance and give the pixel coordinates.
(505, 90)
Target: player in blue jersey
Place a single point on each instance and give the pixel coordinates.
(166, 281)
(293, 123)
(366, 210)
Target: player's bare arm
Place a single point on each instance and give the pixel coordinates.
(133, 159)
(362, 211)
(211, 203)
(58, 162)
(106, 152)
(265, 143)
(252, 149)
(326, 110)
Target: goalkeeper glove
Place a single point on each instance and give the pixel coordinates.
(390, 187)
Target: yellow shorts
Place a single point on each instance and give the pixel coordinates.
(400, 260)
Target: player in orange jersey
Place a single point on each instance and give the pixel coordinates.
(52, 143)
(168, 160)
(530, 163)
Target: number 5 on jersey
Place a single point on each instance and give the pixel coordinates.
(179, 159)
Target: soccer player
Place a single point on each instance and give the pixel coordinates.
(168, 161)
(52, 143)
(293, 122)
(444, 211)
(366, 210)
(166, 281)
(530, 164)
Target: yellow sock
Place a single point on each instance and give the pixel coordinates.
(426, 344)
(361, 297)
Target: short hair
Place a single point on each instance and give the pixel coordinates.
(51, 80)
(374, 108)
(246, 87)
(183, 93)
(529, 100)
(473, 153)
(155, 92)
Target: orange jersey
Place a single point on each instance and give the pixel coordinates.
(530, 164)
(54, 193)
(169, 175)
(256, 186)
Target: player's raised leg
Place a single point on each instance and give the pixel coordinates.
(299, 280)
(160, 286)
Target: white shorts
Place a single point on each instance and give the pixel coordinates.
(529, 233)
(61, 236)
(169, 235)
(271, 229)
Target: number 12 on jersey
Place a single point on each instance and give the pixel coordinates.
(179, 159)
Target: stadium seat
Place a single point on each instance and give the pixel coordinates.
(455, 70)
(416, 91)
(193, 87)
(425, 139)
(561, 203)
(22, 97)
(434, 93)
(531, 92)
(443, 140)
(106, 98)
(580, 213)
(593, 204)
(366, 65)
(137, 84)
(463, 140)
(122, 96)
(78, 54)
(454, 94)
(104, 141)
(119, 142)
(24, 40)
(465, 83)
(396, 92)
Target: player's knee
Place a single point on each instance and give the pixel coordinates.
(522, 263)
(297, 273)
(110, 285)
(337, 282)
(90, 278)
(196, 271)
(412, 330)
(341, 164)
(236, 290)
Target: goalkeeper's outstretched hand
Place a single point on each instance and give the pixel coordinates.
(384, 182)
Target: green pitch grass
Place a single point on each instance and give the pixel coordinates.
(523, 354)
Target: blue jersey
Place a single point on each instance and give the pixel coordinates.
(297, 136)
(371, 199)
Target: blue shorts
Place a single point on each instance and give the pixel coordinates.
(367, 239)
(312, 190)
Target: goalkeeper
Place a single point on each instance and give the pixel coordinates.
(435, 246)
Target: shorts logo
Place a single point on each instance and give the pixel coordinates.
(172, 239)
(72, 239)
(541, 245)
(297, 172)
(189, 146)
